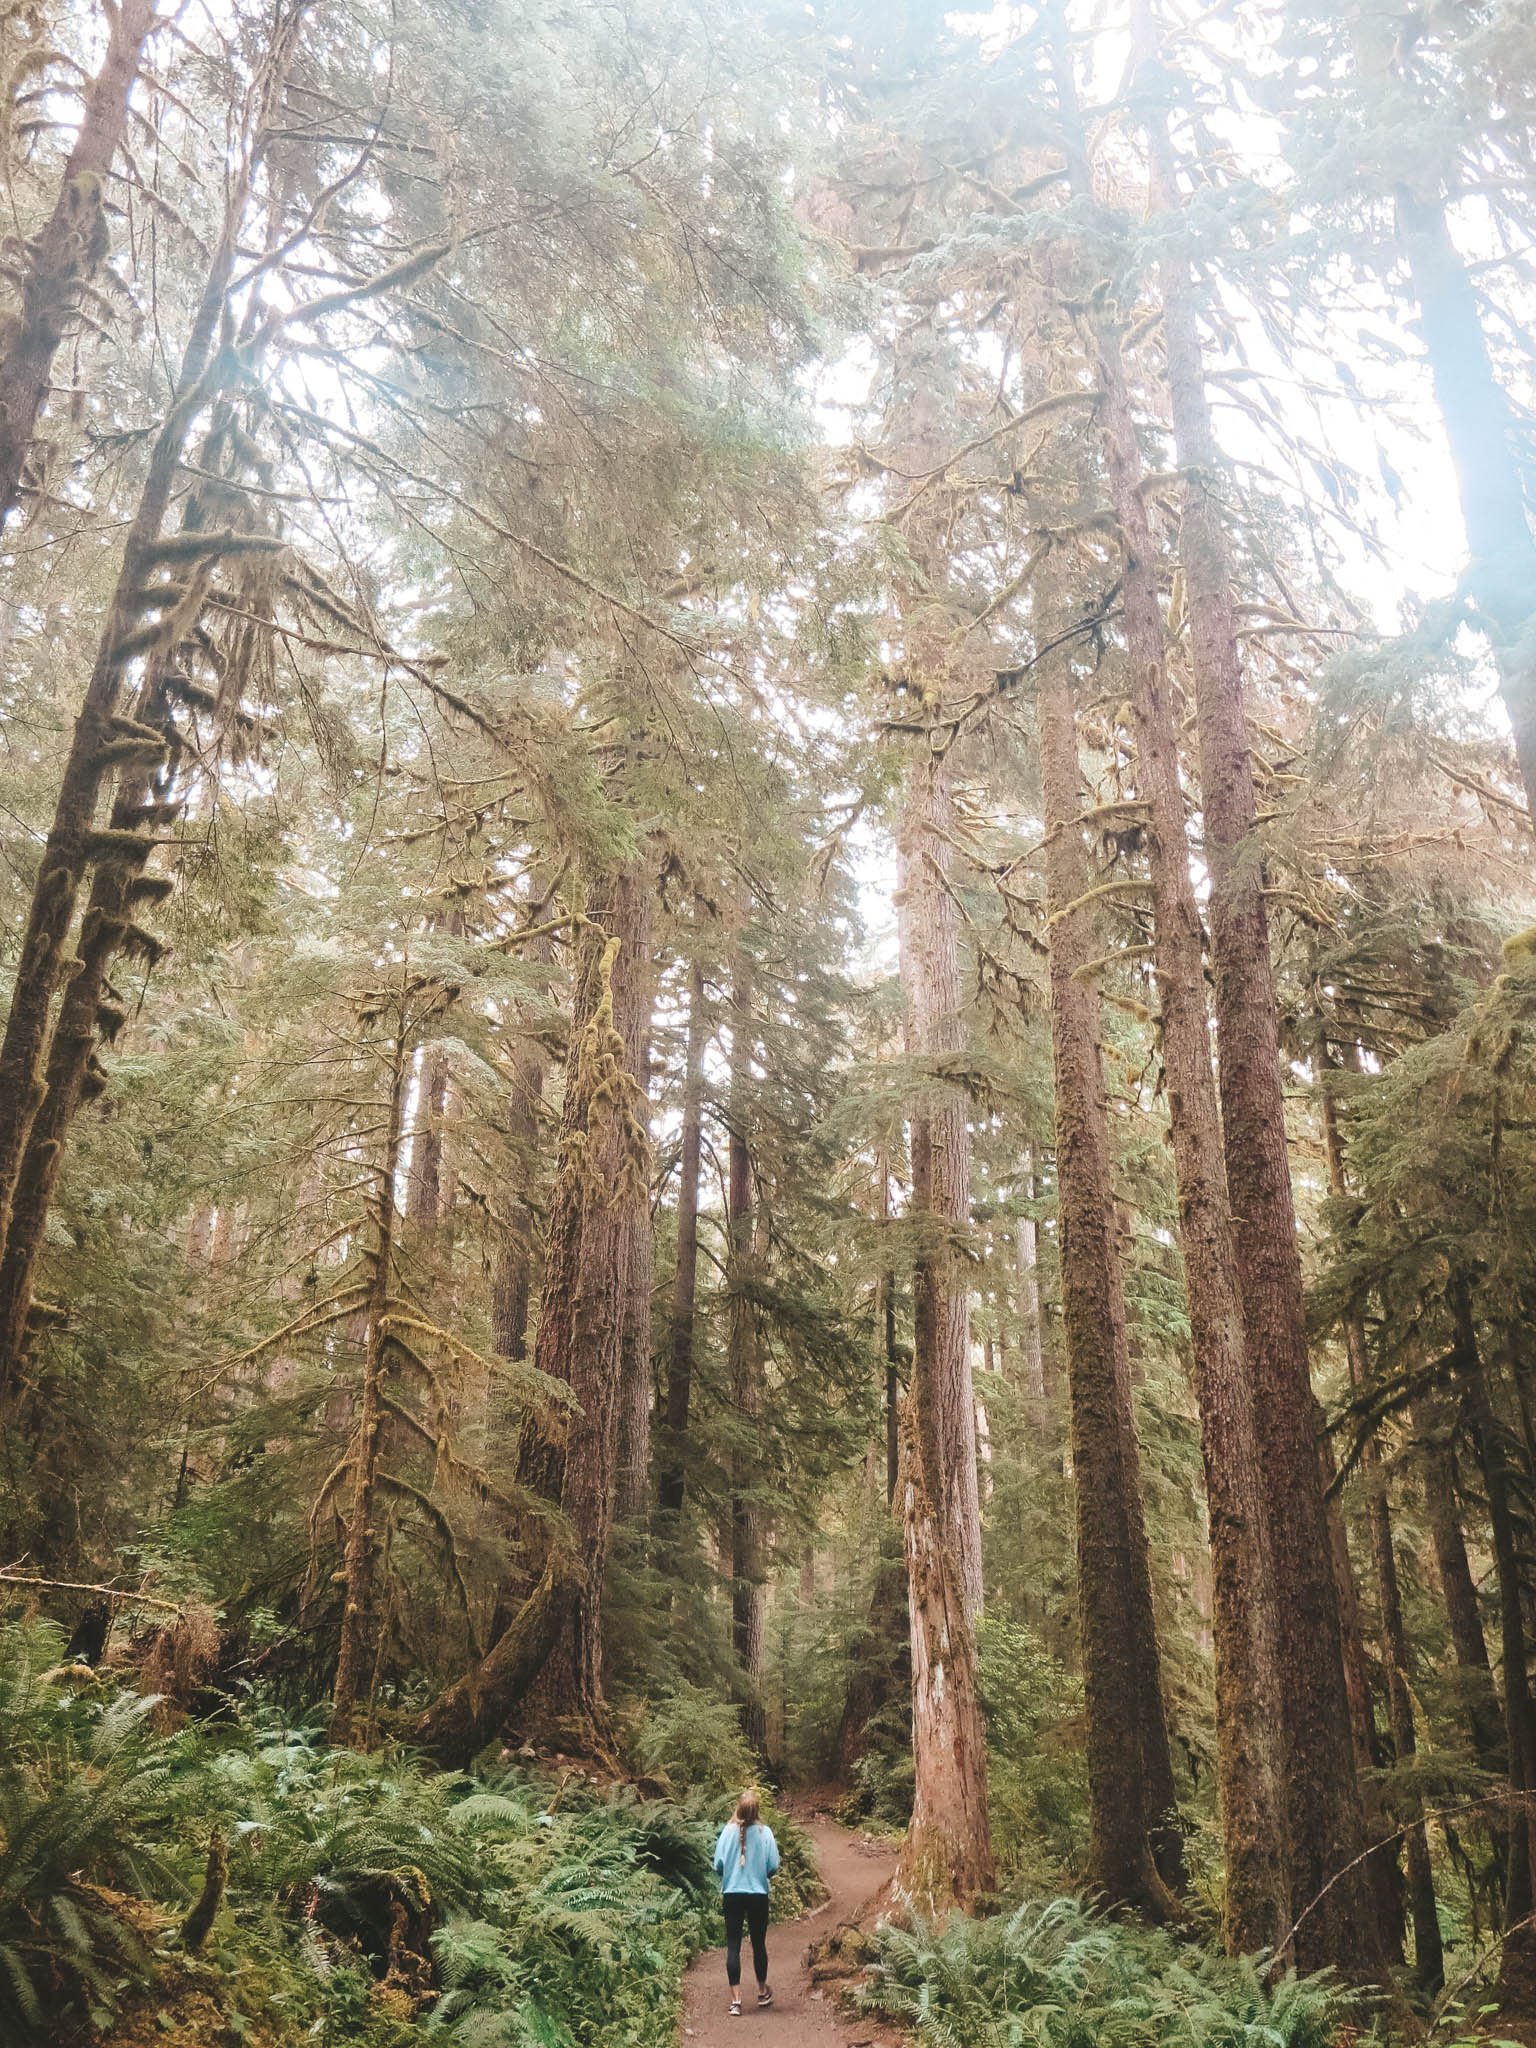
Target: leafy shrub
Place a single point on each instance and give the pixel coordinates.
(1059, 1975)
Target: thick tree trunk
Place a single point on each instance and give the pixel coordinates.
(929, 927)
(947, 1857)
(1130, 1775)
(1485, 442)
(685, 1278)
(69, 251)
(359, 1557)
(1247, 1692)
(602, 1166)
(1326, 1823)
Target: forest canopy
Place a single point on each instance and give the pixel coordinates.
(768, 971)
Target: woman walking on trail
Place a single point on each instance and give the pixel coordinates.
(746, 1856)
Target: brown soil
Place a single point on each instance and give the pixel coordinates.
(803, 2014)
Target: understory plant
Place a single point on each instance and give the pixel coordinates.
(362, 1898)
(1058, 1974)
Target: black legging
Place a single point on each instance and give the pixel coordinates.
(749, 1909)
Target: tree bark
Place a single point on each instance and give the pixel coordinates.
(69, 251)
(637, 1389)
(947, 1856)
(685, 1279)
(1130, 1774)
(1326, 1820)
(929, 929)
(747, 1534)
(359, 1557)
(601, 1165)
(424, 1194)
(1247, 1691)
(1031, 1328)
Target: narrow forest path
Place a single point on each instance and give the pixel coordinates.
(853, 1870)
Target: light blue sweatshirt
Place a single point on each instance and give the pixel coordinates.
(762, 1858)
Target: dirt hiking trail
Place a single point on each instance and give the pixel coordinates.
(801, 2016)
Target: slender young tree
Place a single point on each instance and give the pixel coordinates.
(746, 1370)
(637, 1393)
(358, 1560)
(680, 1349)
(941, 1149)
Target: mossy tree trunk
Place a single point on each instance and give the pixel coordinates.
(360, 1554)
(602, 1165)
(69, 251)
(155, 595)
(1130, 1772)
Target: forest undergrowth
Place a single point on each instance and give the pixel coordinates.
(239, 1880)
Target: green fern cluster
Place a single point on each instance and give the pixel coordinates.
(587, 1917)
(83, 1781)
(370, 1899)
(1060, 1975)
